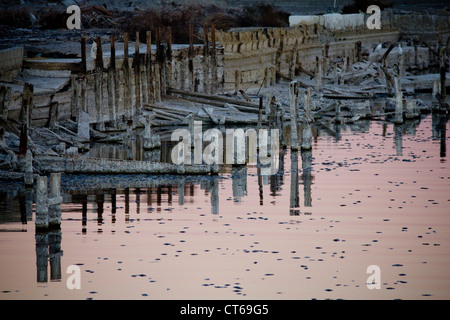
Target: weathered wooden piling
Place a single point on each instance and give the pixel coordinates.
(27, 104)
(206, 60)
(398, 101)
(411, 111)
(237, 81)
(83, 55)
(358, 51)
(28, 176)
(41, 220)
(306, 123)
(98, 85)
(293, 98)
(401, 62)
(319, 74)
(54, 201)
(111, 85)
(53, 115)
(126, 79)
(190, 58)
(168, 62)
(215, 83)
(5, 97)
(260, 112)
(151, 89)
(158, 87)
(442, 71)
(137, 75)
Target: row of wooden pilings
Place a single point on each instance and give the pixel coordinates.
(143, 81)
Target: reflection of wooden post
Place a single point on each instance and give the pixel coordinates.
(306, 124)
(55, 253)
(306, 177)
(41, 239)
(398, 131)
(215, 196)
(294, 204)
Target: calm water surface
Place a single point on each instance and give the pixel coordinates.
(368, 194)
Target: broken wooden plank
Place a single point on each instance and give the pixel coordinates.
(212, 97)
(78, 165)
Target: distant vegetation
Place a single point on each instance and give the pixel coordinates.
(362, 5)
(176, 16)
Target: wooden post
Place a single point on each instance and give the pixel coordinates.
(237, 79)
(411, 109)
(206, 57)
(113, 98)
(358, 51)
(55, 199)
(98, 86)
(260, 116)
(151, 93)
(28, 176)
(442, 71)
(41, 220)
(27, 104)
(169, 58)
(99, 55)
(214, 59)
(293, 98)
(53, 115)
(137, 74)
(126, 77)
(319, 73)
(307, 130)
(83, 55)
(191, 55)
(416, 61)
(401, 64)
(398, 101)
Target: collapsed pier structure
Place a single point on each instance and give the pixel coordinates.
(320, 70)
